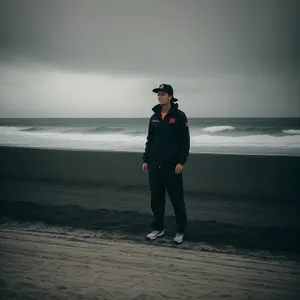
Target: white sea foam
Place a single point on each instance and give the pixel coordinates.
(292, 131)
(217, 128)
(122, 141)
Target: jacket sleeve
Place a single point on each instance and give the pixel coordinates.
(148, 143)
(184, 140)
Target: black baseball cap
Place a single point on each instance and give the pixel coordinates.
(165, 88)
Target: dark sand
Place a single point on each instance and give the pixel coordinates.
(243, 228)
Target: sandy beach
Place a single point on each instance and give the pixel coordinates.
(73, 226)
(44, 264)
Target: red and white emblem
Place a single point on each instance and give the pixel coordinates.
(172, 120)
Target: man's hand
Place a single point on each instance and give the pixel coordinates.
(145, 167)
(179, 169)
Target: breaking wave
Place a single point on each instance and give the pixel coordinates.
(134, 140)
(217, 128)
(292, 131)
(32, 129)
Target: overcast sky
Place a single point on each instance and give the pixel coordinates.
(102, 58)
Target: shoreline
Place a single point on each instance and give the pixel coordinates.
(140, 152)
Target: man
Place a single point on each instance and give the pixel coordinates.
(166, 152)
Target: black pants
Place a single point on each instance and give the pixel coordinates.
(162, 179)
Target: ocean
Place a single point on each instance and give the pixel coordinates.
(248, 136)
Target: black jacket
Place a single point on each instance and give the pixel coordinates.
(168, 140)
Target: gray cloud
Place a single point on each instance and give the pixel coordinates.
(212, 49)
(168, 36)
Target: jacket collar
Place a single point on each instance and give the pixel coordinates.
(157, 109)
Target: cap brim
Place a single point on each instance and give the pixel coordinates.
(156, 90)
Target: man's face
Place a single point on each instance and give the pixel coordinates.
(163, 98)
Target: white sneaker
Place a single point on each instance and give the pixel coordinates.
(178, 239)
(154, 234)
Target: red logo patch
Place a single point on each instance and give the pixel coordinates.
(172, 120)
(186, 124)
